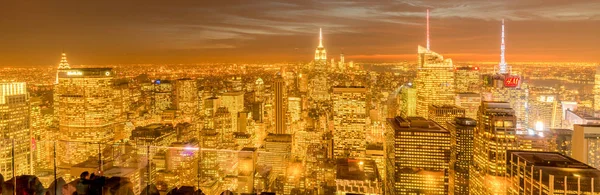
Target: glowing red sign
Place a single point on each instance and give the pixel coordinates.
(511, 81)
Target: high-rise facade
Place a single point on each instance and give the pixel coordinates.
(495, 134)
(280, 105)
(434, 81)
(83, 104)
(545, 111)
(349, 121)
(15, 134)
(597, 89)
(186, 97)
(461, 156)
(445, 113)
(585, 142)
(234, 102)
(470, 102)
(549, 173)
(408, 100)
(467, 79)
(417, 155)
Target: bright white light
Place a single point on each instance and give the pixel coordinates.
(539, 126)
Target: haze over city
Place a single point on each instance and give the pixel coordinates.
(118, 32)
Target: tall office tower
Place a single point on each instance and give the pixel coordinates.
(467, 79)
(83, 100)
(62, 66)
(235, 83)
(234, 102)
(158, 96)
(295, 108)
(445, 113)
(349, 121)
(408, 100)
(320, 54)
(470, 102)
(247, 157)
(585, 144)
(186, 97)
(461, 147)
(15, 135)
(123, 99)
(544, 113)
(549, 173)
(259, 90)
(508, 88)
(435, 79)
(495, 134)
(222, 124)
(597, 90)
(210, 140)
(417, 153)
(277, 149)
(280, 104)
(303, 82)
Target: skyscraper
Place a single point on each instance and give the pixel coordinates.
(470, 102)
(234, 102)
(417, 153)
(83, 105)
(467, 79)
(15, 132)
(495, 134)
(408, 100)
(586, 144)
(349, 121)
(186, 97)
(280, 110)
(445, 113)
(320, 54)
(549, 173)
(461, 147)
(435, 79)
(62, 66)
(597, 90)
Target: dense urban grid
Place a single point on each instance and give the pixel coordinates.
(326, 126)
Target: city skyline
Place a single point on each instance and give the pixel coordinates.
(198, 32)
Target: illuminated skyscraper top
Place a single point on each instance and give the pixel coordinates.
(503, 68)
(320, 52)
(64, 65)
(63, 62)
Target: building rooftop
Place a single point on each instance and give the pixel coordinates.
(353, 169)
(354, 89)
(415, 124)
(554, 163)
(278, 138)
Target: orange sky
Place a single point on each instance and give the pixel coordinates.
(34, 32)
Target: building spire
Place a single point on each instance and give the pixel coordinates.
(64, 64)
(427, 29)
(320, 38)
(502, 50)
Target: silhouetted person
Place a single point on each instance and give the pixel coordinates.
(84, 183)
(96, 184)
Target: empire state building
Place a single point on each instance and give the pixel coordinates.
(320, 54)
